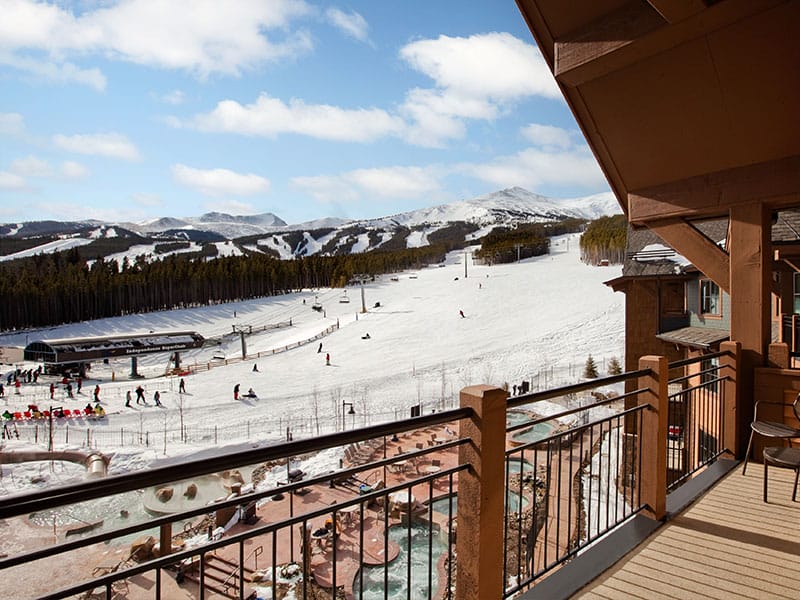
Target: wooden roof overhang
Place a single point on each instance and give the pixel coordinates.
(691, 107)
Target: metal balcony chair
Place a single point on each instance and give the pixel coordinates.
(772, 429)
(783, 457)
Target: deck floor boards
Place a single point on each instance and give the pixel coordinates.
(728, 544)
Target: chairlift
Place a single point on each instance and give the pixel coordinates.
(343, 299)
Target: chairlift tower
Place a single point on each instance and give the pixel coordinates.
(361, 279)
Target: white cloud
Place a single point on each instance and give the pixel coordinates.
(148, 200)
(59, 72)
(174, 97)
(11, 124)
(474, 78)
(369, 184)
(203, 40)
(534, 168)
(547, 136)
(492, 65)
(220, 182)
(270, 117)
(112, 145)
(31, 166)
(351, 24)
(232, 207)
(113, 212)
(11, 181)
(73, 170)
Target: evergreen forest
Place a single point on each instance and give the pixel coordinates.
(505, 245)
(80, 285)
(605, 239)
(51, 289)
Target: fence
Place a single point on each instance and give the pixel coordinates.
(91, 432)
(561, 489)
(696, 421)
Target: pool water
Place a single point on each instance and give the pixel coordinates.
(535, 433)
(517, 465)
(139, 507)
(422, 563)
(92, 511)
(515, 418)
(513, 499)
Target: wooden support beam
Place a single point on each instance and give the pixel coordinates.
(577, 56)
(637, 31)
(776, 184)
(751, 277)
(702, 252)
(677, 10)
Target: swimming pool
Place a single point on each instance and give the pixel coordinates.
(515, 417)
(514, 500)
(534, 433)
(132, 508)
(422, 563)
(518, 465)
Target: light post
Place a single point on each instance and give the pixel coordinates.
(352, 411)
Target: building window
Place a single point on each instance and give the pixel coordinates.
(709, 298)
(796, 280)
(709, 374)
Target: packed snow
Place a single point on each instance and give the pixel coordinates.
(536, 320)
(60, 245)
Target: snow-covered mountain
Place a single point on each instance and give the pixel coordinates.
(455, 222)
(506, 207)
(225, 225)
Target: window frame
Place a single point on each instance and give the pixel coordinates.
(703, 284)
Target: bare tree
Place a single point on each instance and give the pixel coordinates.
(315, 401)
(336, 400)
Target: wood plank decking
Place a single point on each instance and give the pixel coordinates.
(728, 544)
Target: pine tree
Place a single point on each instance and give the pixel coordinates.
(590, 370)
(614, 367)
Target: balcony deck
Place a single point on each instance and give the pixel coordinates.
(728, 544)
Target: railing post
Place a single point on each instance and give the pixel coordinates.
(729, 367)
(653, 436)
(479, 544)
(165, 539)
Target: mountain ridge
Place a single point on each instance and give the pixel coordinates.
(467, 220)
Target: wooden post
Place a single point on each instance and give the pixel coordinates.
(653, 435)
(165, 539)
(751, 285)
(480, 495)
(729, 367)
(778, 354)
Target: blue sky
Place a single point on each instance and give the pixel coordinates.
(135, 109)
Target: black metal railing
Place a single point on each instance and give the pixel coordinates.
(696, 424)
(576, 476)
(573, 482)
(404, 511)
(790, 333)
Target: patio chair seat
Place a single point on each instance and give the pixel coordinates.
(785, 458)
(772, 429)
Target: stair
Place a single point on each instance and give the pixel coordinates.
(220, 576)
